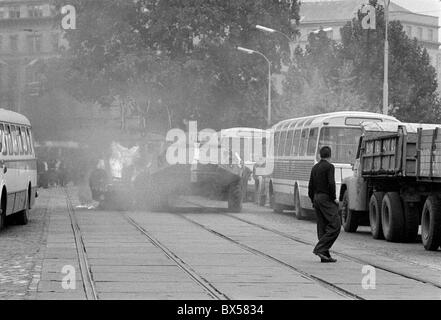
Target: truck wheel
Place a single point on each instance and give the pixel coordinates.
(349, 219)
(375, 215)
(431, 223)
(392, 217)
(235, 197)
(300, 212)
(411, 221)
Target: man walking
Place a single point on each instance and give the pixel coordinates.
(322, 194)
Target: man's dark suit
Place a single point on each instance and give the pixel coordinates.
(322, 194)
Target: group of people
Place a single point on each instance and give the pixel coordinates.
(52, 172)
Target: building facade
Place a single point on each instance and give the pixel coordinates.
(28, 36)
(333, 15)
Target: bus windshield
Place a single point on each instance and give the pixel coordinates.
(343, 143)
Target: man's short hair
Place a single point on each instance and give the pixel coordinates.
(325, 153)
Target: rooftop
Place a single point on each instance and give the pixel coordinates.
(344, 10)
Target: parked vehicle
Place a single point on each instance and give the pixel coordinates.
(396, 184)
(297, 143)
(252, 145)
(18, 164)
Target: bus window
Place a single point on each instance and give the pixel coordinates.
(303, 142)
(288, 146)
(29, 137)
(343, 143)
(282, 143)
(15, 145)
(19, 140)
(9, 140)
(276, 142)
(24, 140)
(295, 144)
(312, 142)
(2, 140)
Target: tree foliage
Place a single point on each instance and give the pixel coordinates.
(329, 76)
(179, 55)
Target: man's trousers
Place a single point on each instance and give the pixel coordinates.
(328, 222)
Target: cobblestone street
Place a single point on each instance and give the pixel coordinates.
(21, 253)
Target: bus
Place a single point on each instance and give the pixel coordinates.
(296, 150)
(250, 146)
(18, 167)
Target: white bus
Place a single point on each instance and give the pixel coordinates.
(250, 146)
(297, 143)
(18, 167)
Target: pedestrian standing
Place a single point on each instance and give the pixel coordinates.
(322, 194)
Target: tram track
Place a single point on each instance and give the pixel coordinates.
(335, 252)
(86, 273)
(198, 279)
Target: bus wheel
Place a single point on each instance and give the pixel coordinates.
(22, 217)
(431, 223)
(2, 217)
(277, 208)
(392, 217)
(235, 197)
(375, 215)
(300, 212)
(411, 221)
(349, 219)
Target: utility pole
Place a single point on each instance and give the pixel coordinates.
(386, 60)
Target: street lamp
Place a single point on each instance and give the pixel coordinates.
(290, 41)
(270, 30)
(386, 60)
(249, 51)
(324, 30)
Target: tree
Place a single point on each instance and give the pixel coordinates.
(327, 76)
(412, 80)
(182, 53)
(319, 81)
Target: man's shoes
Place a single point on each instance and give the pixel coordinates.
(326, 259)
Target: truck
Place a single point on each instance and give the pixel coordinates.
(396, 184)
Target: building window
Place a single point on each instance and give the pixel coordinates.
(2, 13)
(431, 33)
(35, 11)
(34, 43)
(14, 12)
(13, 39)
(409, 31)
(420, 33)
